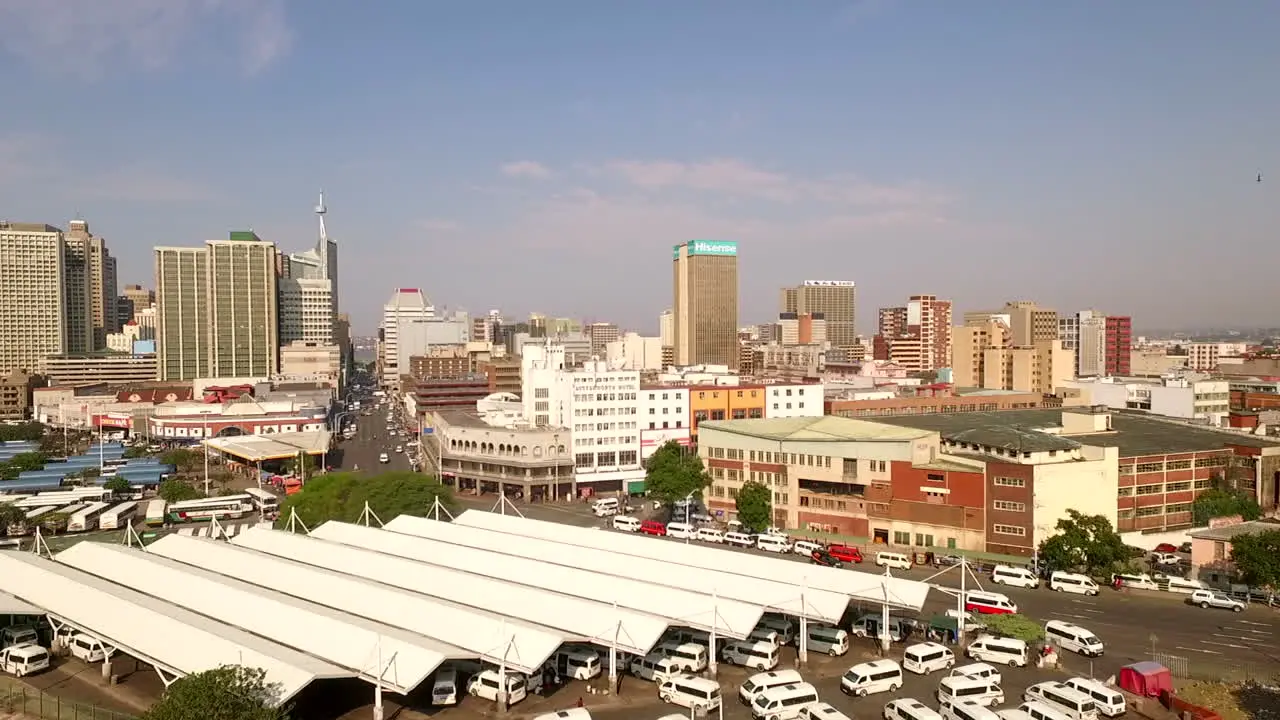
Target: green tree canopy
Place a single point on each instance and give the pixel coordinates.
(342, 496)
(23, 462)
(673, 472)
(183, 459)
(10, 515)
(1257, 558)
(135, 451)
(1014, 626)
(176, 490)
(1084, 542)
(1220, 501)
(30, 431)
(755, 506)
(229, 692)
(117, 485)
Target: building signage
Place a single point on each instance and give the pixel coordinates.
(721, 248)
(828, 283)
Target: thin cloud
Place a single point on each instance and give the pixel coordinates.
(89, 37)
(526, 169)
(145, 184)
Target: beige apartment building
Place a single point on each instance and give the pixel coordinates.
(836, 301)
(985, 356)
(182, 317)
(100, 283)
(705, 284)
(1028, 322)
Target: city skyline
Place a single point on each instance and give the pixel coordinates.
(1020, 163)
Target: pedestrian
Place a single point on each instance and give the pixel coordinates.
(580, 703)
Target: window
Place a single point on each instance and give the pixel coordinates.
(1150, 511)
(541, 394)
(1217, 461)
(584, 460)
(1204, 483)
(1009, 506)
(1010, 530)
(936, 477)
(1150, 467)
(1124, 491)
(755, 413)
(1009, 482)
(542, 406)
(901, 538)
(1177, 507)
(1126, 469)
(1155, 489)
(1177, 486)
(717, 414)
(739, 414)
(1178, 465)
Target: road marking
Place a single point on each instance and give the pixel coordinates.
(1083, 602)
(1230, 645)
(1235, 637)
(1250, 622)
(1199, 650)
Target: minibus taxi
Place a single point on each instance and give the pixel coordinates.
(753, 654)
(978, 671)
(988, 603)
(23, 660)
(1140, 581)
(1073, 638)
(894, 560)
(707, 534)
(909, 709)
(955, 689)
(485, 685)
(927, 657)
(758, 683)
(1038, 710)
(655, 667)
(1110, 702)
(739, 539)
(626, 523)
(605, 507)
(577, 663)
(1074, 703)
(86, 648)
(1073, 583)
(691, 657)
(872, 677)
(783, 702)
(574, 713)
(444, 688)
(805, 547)
(826, 639)
(653, 527)
(967, 710)
(697, 694)
(785, 628)
(998, 650)
(764, 634)
(681, 531)
(821, 711)
(774, 543)
(1015, 576)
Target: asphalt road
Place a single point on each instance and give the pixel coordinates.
(371, 439)
(1129, 622)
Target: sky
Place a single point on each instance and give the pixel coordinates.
(545, 156)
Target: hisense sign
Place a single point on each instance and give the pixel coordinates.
(722, 248)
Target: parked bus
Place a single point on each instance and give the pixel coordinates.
(157, 510)
(227, 507)
(65, 497)
(27, 525)
(87, 519)
(119, 516)
(265, 502)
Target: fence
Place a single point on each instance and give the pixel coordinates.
(1215, 669)
(36, 704)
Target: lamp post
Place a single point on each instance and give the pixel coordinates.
(204, 438)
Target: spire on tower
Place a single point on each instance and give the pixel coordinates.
(320, 211)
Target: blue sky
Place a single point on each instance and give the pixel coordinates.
(544, 156)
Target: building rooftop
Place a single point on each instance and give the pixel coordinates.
(1229, 532)
(828, 428)
(1135, 434)
(473, 419)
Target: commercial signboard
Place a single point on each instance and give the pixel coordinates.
(720, 248)
(828, 283)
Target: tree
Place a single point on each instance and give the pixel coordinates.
(229, 692)
(117, 485)
(342, 496)
(1014, 626)
(28, 431)
(176, 490)
(674, 472)
(755, 506)
(135, 451)
(1257, 558)
(10, 515)
(1222, 501)
(22, 462)
(183, 459)
(301, 464)
(1086, 542)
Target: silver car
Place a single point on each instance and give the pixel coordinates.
(1209, 598)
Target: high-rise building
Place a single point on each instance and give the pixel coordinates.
(985, 356)
(405, 305)
(244, 297)
(601, 335)
(182, 313)
(309, 290)
(100, 280)
(1028, 322)
(136, 299)
(917, 335)
(33, 295)
(667, 328)
(835, 300)
(1119, 344)
(1091, 344)
(705, 309)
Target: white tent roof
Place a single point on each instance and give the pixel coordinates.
(166, 636)
(255, 448)
(821, 605)
(603, 624)
(10, 605)
(524, 646)
(677, 606)
(344, 640)
(859, 586)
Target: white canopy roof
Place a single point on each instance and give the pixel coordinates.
(820, 605)
(344, 640)
(256, 448)
(10, 605)
(164, 635)
(859, 586)
(523, 646)
(603, 624)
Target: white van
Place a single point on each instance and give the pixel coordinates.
(784, 702)
(1038, 710)
(927, 657)
(756, 655)
(805, 547)
(626, 523)
(821, 711)
(872, 677)
(765, 635)
(738, 539)
(655, 667)
(1110, 702)
(785, 628)
(485, 684)
(706, 534)
(681, 531)
(989, 603)
(893, 560)
(826, 639)
(863, 627)
(760, 682)
(909, 709)
(978, 671)
(575, 713)
(87, 648)
(774, 543)
(23, 660)
(1015, 576)
(1186, 586)
(577, 663)
(695, 693)
(954, 690)
(968, 710)
(998, 650)
(1073, 583)
(1073, 638)
(691, 657)
(604, 507)
(444, 688)
(1074, 703)
(18, 635)
(1140, 581)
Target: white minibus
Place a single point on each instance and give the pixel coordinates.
(1076, 704)
(821, 711)
(978, 671)
(87, 648)
(655, 667)
(485, 685)
(605, 507)
(1110, 702)
(1015, 576)
(706, 534)
(805, 547)
(697, 694)
(872, 677)
(764, 634)
(829, 640)
(1140, 581)
(626, 523)
(577, 663)
(783, 703)
(1073, 638)
(1038, 710)
(893, 560)
(774, 543)
(755, 655)
(785, 628)
(998, 650)
(1073, 583)
(738, 539)
(968, 710)
(444, 688)
(691, 657)
(23, 660)
(681, 531)
(953, 690)
(573, 713)
(909, 709)
(927, 657)
(753, 686)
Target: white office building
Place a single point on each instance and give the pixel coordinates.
(405, 305)
(1198, 399)
(633, 351)
(664, 417)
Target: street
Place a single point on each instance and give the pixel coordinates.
(371, 439)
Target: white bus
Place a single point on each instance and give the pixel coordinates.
(65, 497)
(229, 507)
(27, 525)
(264, 501)
(156, 512)
(87, 518)
(119, 516)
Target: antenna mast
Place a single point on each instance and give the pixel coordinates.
(320, 211)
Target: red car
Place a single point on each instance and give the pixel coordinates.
(845, 553)
(1166, 547)
(653, 527)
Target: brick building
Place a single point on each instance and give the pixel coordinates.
(938, 398)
